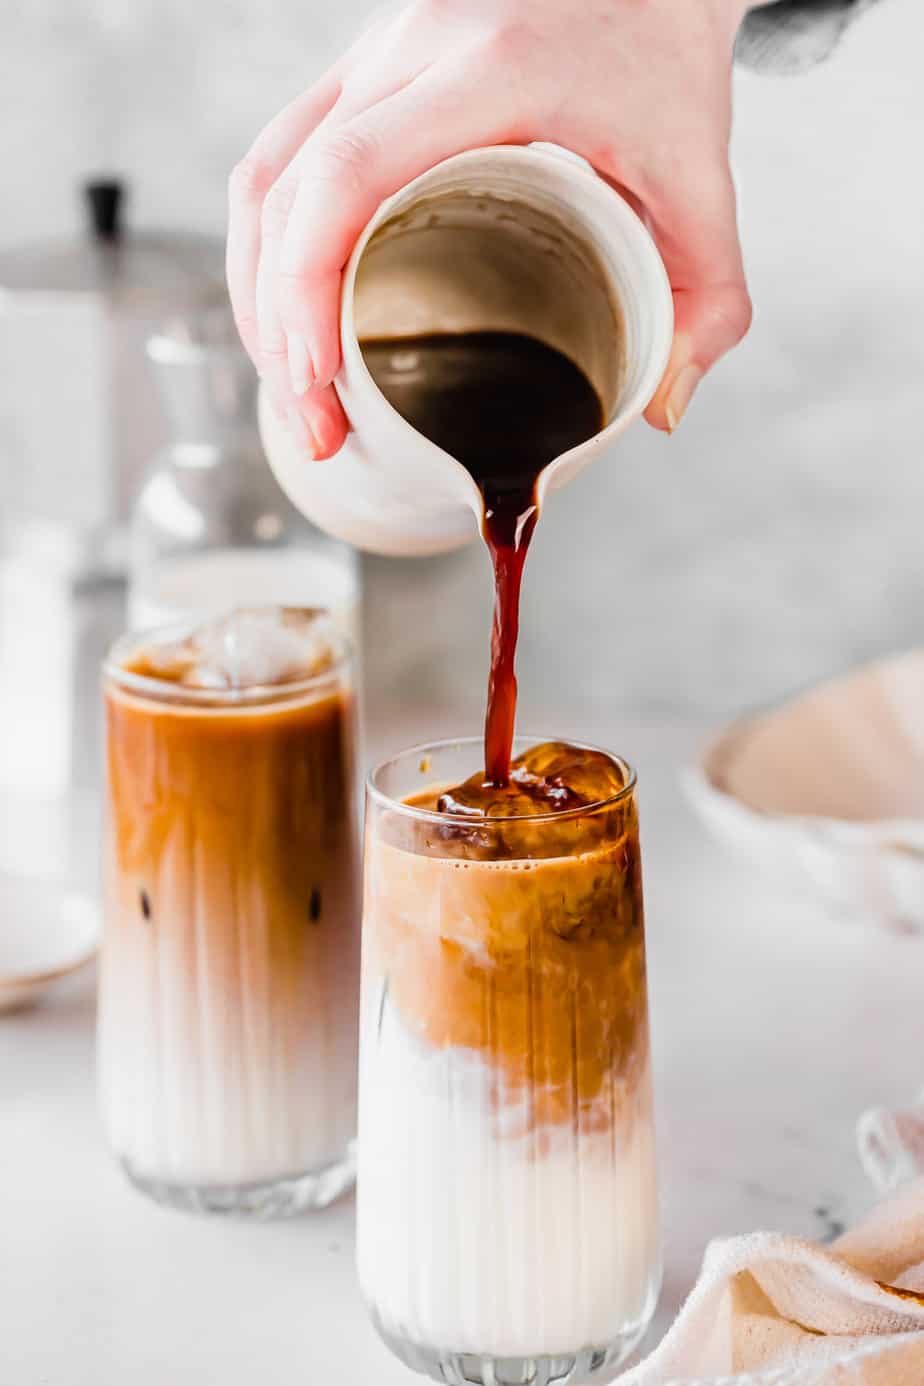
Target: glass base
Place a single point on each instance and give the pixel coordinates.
(277, 1198)
(591, 1364)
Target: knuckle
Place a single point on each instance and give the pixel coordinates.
(613, 157)
(733, 308)
(511, 41)
(437, 12)
(622, 158)
(250, 180)
(345, 157)
(277, 206)
(273, 350)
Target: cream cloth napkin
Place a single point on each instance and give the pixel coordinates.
(772, 1310)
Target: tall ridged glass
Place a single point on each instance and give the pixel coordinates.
(230, 955)
(507, 1215)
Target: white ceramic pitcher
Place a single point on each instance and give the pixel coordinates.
(512, 238)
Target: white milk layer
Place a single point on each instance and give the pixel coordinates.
(478, 1234)
(213, 1072)
(186, 1119)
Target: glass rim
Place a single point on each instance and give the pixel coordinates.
(168, 691)
(423, 748)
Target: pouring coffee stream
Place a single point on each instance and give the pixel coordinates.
(505, 405)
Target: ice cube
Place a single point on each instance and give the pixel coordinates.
(550, 778)
(170, 659)
(248, 648)
(545, 782)
(585, 776)
(476, 799)
(262, 645)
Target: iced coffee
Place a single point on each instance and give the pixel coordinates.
(507, 1221)
(229, 968)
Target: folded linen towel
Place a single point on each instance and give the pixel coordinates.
(772, 1310)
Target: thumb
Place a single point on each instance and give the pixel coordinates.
(708, 321)
(694, 223)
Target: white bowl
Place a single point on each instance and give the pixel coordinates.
(828, 789)
(47, 932)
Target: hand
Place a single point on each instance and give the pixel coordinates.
(640, 88)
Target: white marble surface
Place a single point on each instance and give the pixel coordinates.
(773, 1028)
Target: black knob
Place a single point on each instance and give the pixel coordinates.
(105, 199)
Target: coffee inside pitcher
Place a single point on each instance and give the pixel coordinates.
(464, 261)
(504, 405)
(489, 326)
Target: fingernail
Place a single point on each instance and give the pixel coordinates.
(301, 373)
(681, 392)
(300, 431)
(329, 435)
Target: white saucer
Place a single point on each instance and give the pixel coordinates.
(47, 932)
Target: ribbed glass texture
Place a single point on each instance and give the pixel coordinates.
(508, 1221)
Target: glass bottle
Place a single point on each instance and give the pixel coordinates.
(211, 529)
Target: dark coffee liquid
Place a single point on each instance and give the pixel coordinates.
(504, 405)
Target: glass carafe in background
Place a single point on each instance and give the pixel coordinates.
(229, 966)
(211, 528)
(507, 1215)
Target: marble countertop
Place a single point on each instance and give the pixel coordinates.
(773, 1028)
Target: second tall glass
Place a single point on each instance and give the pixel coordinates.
(230, 956)
(507, 1219)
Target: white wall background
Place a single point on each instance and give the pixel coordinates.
(777, 537)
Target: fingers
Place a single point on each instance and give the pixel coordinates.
(317, 422)
(690, 210)
(708, 322)
(249, 185)
(283, 359)
(252, 259)
(694, 222)
(264, 164)
(344, 172)
(272, 347)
